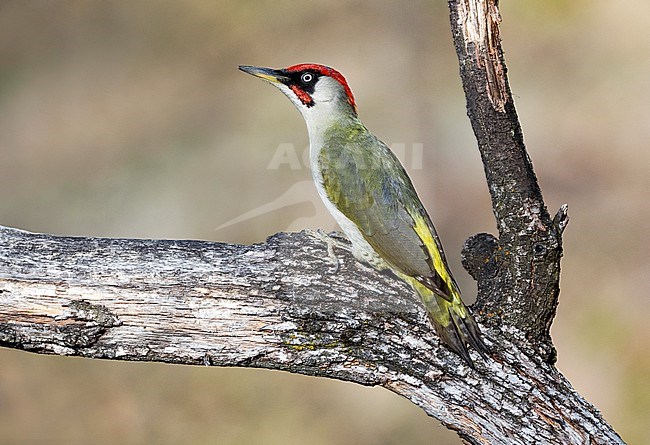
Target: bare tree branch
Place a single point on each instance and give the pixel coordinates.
(518, 274)
(299, 302)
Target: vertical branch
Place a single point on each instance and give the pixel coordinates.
(518, 274)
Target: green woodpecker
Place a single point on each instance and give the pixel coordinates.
(370, 195)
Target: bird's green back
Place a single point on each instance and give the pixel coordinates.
(364, 179)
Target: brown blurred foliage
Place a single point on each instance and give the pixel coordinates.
(130, 119)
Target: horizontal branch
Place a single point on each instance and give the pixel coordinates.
(300, 303)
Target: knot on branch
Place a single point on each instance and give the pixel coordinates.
(478, 256)
(83, 324)
(80, 326)
(481, 258)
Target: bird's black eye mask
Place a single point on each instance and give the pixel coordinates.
(305, 80)
(302, 83)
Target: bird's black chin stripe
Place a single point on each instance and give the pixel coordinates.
(304, 96)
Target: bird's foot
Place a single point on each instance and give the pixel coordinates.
(331, 244)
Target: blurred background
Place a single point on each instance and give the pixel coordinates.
(130, 119)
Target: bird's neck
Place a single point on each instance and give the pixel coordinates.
(332, 131)
(324, 122)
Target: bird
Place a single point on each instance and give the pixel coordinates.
(370, 195)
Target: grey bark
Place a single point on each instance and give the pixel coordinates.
(301, 303)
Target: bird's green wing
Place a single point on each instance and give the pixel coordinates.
(367, 183)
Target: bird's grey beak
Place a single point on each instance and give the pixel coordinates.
(268, 74)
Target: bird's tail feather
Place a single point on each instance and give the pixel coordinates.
(455, 325)
(460, 331)
(452, 321)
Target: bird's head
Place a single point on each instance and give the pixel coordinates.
(317, 91)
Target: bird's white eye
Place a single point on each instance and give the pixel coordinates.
(307, 77)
